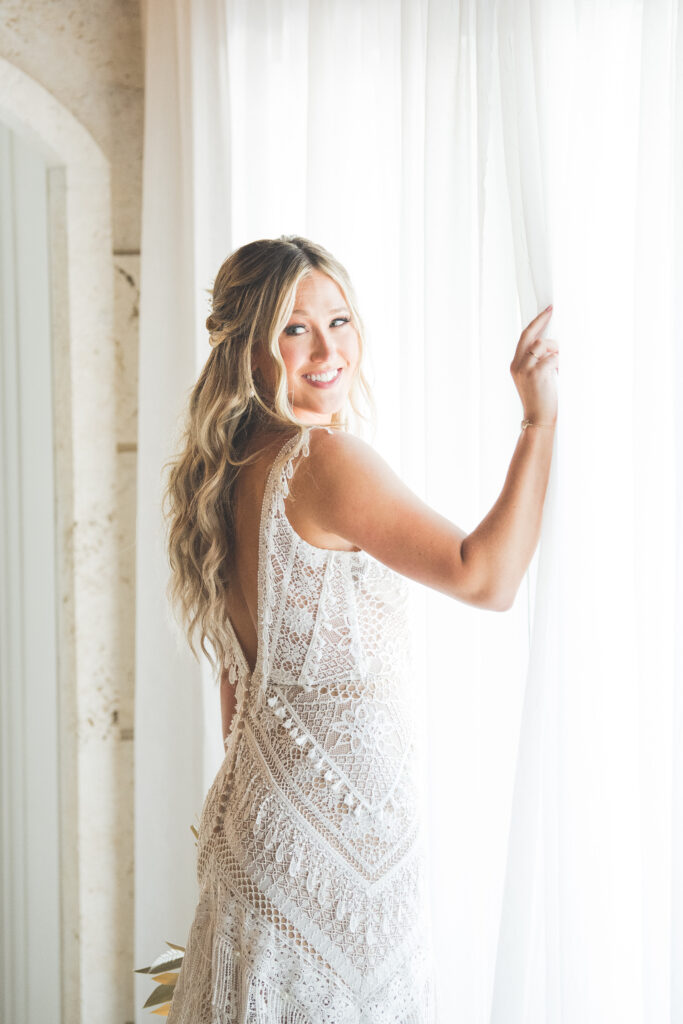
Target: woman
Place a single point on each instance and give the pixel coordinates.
(310, 865)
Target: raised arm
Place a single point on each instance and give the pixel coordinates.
(503, 543)
(347, 490)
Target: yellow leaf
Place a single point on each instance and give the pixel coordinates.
(173, 946)
(163, 1011)
(166, 979)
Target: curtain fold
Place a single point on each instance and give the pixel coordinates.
(602, 680)
(169, 730)
(469, 162)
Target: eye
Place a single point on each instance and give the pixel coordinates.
(296, 327)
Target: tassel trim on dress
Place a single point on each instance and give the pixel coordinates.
(240, 996)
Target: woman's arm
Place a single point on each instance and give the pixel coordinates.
(502, 546)
(345, 489)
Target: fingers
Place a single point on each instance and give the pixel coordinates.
(542, 356)
(549, 361)
(527, 344)
(533, 330)
(531, 346)
(540, 351)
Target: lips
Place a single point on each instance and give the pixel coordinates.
(324, 383)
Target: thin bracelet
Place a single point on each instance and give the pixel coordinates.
(530, 423)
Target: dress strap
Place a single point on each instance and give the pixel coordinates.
(299, 446)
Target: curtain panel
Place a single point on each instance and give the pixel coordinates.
(469, 162)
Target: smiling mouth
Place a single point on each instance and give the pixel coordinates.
(323, 379)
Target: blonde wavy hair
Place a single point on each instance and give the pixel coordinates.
(253, 297)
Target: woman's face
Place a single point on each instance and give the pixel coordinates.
(319, 340)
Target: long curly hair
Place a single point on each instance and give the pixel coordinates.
(253, 297)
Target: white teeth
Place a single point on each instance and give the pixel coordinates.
(322, 377)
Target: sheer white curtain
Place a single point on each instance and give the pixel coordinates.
(469, 163)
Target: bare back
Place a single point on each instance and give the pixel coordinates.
(242, 596)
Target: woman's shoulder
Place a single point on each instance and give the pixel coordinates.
(326, 472)
(338, 463)
(327, 444)
(334, 459)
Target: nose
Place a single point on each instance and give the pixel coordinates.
(323, 344)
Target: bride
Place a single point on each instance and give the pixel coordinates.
(290, 541)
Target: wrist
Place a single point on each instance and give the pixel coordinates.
(531, 421)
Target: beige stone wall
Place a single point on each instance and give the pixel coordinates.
(89, 57)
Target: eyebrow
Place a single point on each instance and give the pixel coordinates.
(337, 309)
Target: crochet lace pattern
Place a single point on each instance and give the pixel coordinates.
(311, 866)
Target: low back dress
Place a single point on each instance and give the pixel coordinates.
(311, 861)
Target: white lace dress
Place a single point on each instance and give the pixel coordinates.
(311, 868)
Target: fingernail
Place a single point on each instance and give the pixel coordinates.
(548, 307)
